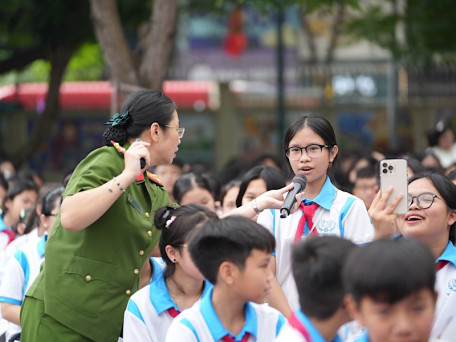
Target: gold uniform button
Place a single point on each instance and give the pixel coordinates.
(141, 252)
(147, 214)
(128, 292)
(149, 233)
(88, 278)
(136, 271)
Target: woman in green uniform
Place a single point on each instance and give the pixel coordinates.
(97, 253)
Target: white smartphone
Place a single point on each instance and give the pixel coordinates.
(393, 173)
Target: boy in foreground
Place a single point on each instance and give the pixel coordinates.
(317, 264)
(234, 254)
(390, 290)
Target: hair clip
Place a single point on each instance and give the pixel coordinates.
(171, 220)
(118, 119)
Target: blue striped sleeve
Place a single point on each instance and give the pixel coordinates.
(133, 308)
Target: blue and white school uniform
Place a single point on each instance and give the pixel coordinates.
(338, 213)
(300, 329)
(148, 317)
(21, 271)
(201, 323)
(444, 326)
(6, 237)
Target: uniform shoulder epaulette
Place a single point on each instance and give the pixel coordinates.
(154, 178)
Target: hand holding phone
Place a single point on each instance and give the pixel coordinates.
(393, 173)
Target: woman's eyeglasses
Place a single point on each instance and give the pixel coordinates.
(423, 200)
(312, 150)
(180, 130)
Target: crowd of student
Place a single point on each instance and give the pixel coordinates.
(187, 254)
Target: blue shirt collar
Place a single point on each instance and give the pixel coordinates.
(313, 331)
(326, 196)
(40, 246)
(216, 327)
(159, 295)
(449, 254)
(3, 225)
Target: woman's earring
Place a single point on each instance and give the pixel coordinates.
(174, 260)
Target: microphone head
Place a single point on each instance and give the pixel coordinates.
(300, 179)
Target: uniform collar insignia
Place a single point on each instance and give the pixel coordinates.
(152, 177)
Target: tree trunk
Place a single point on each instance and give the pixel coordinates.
(110, 36)
(335, 33)
(59, 58)
(160, 43)
(310, 36)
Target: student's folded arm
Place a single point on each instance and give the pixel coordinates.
(11, 312)
(277, 298)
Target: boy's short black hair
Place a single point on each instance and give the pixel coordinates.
(387, 271)
(317, 264)
(229, 239)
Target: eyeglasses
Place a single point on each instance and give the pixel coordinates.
(423, 200)
(312, 150)
(180, 130)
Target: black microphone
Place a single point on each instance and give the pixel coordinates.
(300, 182)
(142, 163)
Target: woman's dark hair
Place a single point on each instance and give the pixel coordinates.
(231, 184)
(16, 186)
(387, 271)
(446, 189)
(317, 123)
(3, 182)
(176, 226)
(271, 176)
(47, 204)
(452, 175)
(144, 107)
(189, 181)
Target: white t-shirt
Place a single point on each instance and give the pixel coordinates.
(446, 158)
(339, 213)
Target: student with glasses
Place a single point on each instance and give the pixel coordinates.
(431, 219)
(311, 150)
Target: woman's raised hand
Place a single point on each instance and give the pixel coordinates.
(383, 216)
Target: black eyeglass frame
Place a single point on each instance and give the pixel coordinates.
(418, 202)
(287, 151)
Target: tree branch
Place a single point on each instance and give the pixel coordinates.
(59, 58)
(156, 59)
(108, 29)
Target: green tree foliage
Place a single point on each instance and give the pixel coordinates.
(421, 31)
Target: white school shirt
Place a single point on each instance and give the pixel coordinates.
(21, 271)
(339, 213)
(146, 318)
(290, 334)
(200, 323)
(444, 326)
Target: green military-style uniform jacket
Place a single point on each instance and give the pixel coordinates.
(89, 275)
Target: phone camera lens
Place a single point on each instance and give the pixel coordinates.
(385, 165)
(385, 170)
(390, 167)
